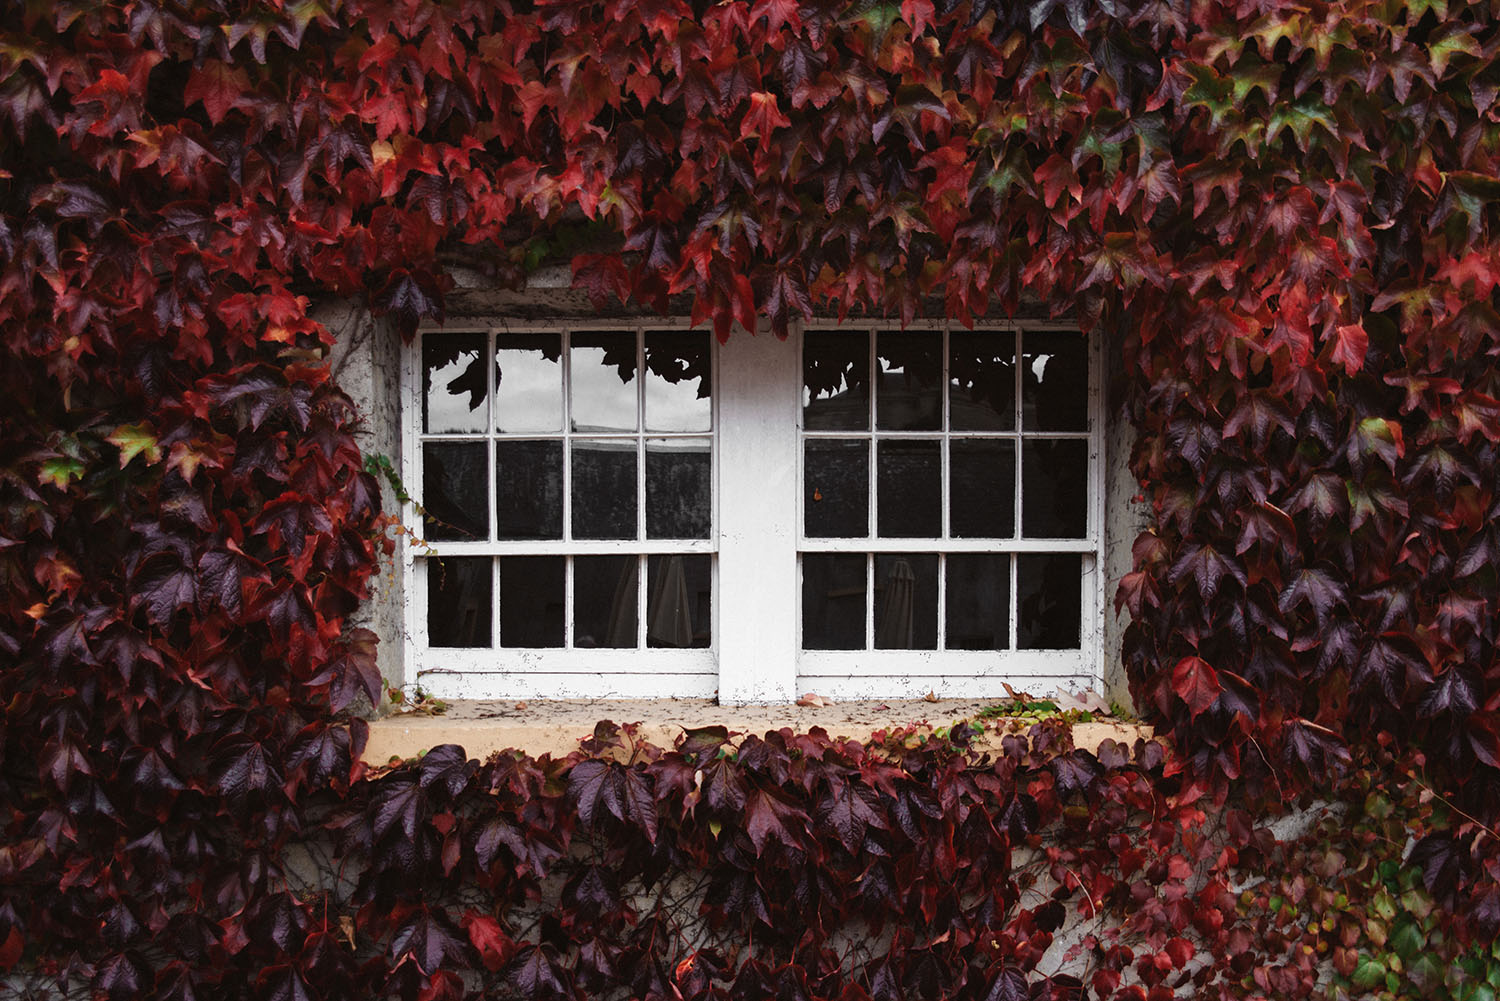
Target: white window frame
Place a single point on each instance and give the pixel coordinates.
(755, 655)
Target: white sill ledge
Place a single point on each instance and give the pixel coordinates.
(556, 726)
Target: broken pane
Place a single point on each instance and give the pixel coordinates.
(677, 381)
(453, 383)
(835, 377)
(528, 383)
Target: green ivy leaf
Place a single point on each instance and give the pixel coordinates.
(133, 440)
(1368, 973)
(61, 471)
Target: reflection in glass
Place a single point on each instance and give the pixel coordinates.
(910, 395)
(605, 600)
(453, 383)
(604, 487)
(679, 488)
(1054, 488)
(977, 601)
(982, 488)
(528, 383)
(455, 480)
(1054, 381)
(906, 601)
(836, 489)
(1049, 601)
(833, 601)
(603, 382)
(909, 489)
(678, 382)
(458, 601)
(982, 372)
(532, 601)
(835, 377)
(678, 607)
(528, 489)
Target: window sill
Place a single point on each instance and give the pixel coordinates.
(555, 727)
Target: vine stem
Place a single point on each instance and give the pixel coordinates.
(1457, 809)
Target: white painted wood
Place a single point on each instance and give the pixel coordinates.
(600, 684)
(759, 395)
(944, 686)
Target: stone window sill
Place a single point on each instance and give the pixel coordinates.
(556, 726)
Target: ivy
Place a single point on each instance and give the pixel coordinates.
(1284, 217)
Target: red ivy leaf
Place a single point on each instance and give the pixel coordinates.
(218, 85)
(1196, 683)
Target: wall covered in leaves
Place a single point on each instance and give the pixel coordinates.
(1285, 213)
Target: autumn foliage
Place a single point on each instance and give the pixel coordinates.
(1283, 215)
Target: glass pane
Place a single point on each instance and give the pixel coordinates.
(455, 488)
(1054, 488)
(678, 382)
(679, 488)
(604, 489)
(1054, 381)
(833, 601)
(909, 489)
(836, 489)
(835, 376)
(978, 602)
(453, 383)
(528, 383)
(604, 600)
(603, 382)
(906, 601)
(528, 489)
(910, 396)
(982, 371)
(531, 601)
(458, 601)
(1049, 606)
(679, 603)
(982, 488)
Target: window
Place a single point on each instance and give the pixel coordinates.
(862, 512)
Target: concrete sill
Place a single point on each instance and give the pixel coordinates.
(556, 727)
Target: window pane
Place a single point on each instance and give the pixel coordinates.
(604, 489)
(835, 376)
(1054, 488)
(833, 601)
(909, 489)
(458, 601)
(836, 489)
(910, 396)
(906, 601)
(679, 606)
(1049, 606)
(528, 489)
(528, 383)
(1054, 381)
(453, 383)
(977, 601)
(982, 491)
(531, 601)
(604, 600)
(982, 372)
(455, 489)
(679, 488)
(603, 382)
(678, 384)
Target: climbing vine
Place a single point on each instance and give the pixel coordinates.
(1283, 215)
